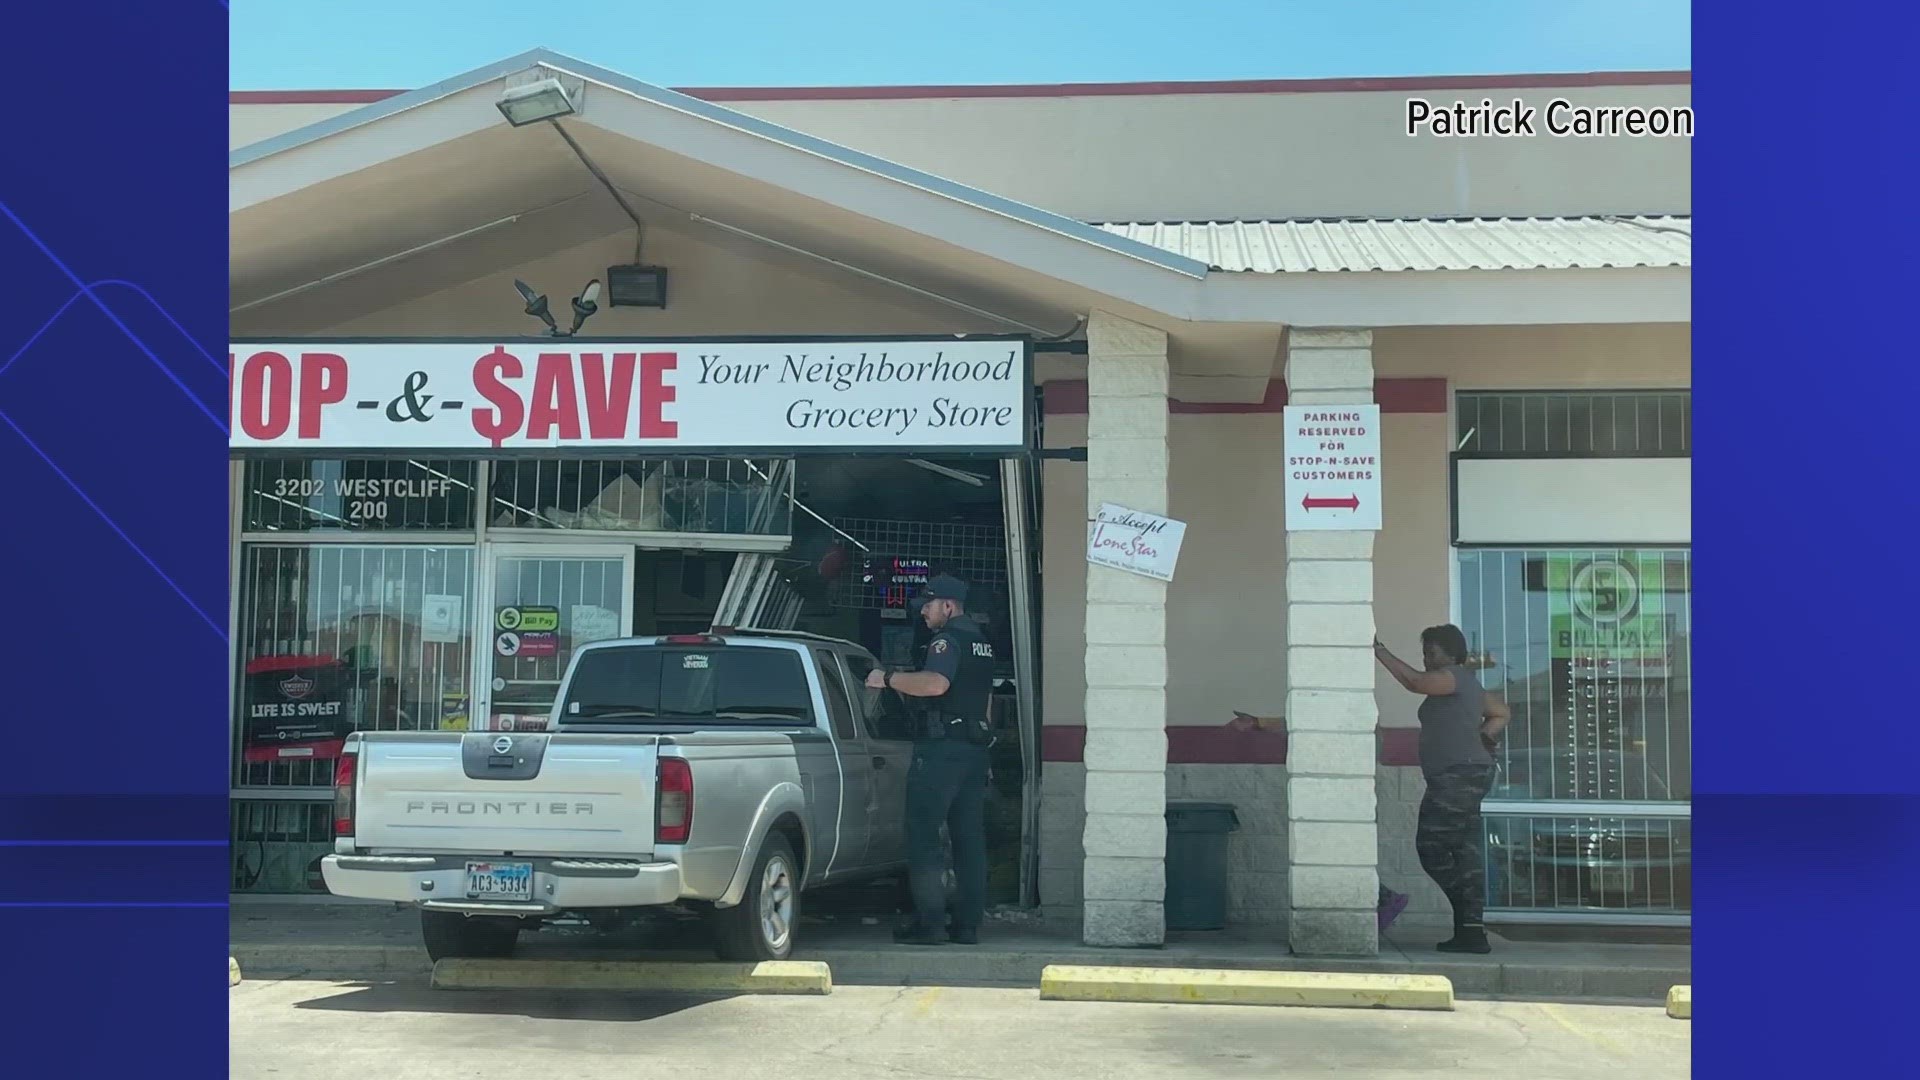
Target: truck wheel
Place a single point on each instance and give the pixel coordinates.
(449, 934)
(761, 926)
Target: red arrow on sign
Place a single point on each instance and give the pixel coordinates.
(1351, 502)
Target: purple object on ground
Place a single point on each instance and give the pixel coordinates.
(1391, 908)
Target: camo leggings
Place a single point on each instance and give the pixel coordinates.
(1451, 840)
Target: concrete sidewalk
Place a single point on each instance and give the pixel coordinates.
(351, 940)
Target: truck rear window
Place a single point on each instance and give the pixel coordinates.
(714, 684)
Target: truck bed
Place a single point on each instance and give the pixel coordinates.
(498, 794)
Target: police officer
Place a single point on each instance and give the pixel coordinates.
(948, 780)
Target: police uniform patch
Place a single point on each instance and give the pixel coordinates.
(940, 645)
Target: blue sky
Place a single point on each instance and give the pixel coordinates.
(334, 44)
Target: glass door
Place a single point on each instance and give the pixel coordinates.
(542, 602)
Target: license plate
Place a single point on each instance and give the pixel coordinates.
(499, 881)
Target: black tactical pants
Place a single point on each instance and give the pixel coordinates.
(1451, 840)
(947, 785)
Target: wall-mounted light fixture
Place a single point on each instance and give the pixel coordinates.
(584, 306)
(530, 103)
(634, 285)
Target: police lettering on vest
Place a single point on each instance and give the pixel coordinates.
(964, 655)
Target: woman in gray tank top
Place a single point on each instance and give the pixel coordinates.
(1459, 723)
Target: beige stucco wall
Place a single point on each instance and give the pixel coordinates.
(1063, 576)
(1226, 618)
(1209, 156)
(715, 287)
(1227, 604)
(1646, 356)
(1134, 158)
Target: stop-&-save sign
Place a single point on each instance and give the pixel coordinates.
(1333, 467)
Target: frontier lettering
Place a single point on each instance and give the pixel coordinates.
(499, 809)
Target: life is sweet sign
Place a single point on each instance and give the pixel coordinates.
(1135, 541)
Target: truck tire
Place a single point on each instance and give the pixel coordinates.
(449, 935)
(762, 925)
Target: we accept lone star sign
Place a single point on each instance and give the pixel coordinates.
(1135, 541)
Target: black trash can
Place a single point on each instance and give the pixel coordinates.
(1197, 864)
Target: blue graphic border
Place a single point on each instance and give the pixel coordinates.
(113, 824)
(1807, 828)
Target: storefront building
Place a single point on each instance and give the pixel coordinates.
(1166, 267)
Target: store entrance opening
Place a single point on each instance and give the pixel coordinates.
(877, 529)
(867, 534)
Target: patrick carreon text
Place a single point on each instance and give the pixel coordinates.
(1559, 117)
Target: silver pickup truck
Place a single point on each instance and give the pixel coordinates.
(727, 773)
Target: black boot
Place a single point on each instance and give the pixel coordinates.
(1468, 937)
(910, 933)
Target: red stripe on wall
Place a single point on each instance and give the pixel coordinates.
(1208, 745)
(1399, 746)
(309, 97)
(1069, 398)
(1274, 401)
(1401, 84)
(1411, 395)
(1195, 744)
(1239, 86)
(1059, 742)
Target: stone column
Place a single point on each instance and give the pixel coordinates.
(1332, 834)
(1125, 837)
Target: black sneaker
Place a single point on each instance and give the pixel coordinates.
(1467, 939)
(910, 935)
(963, 937)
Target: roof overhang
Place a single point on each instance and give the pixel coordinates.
(420, 167)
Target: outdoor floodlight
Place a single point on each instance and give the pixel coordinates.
(585, 305)
(536, 101)
(536, 306)
(637, 286)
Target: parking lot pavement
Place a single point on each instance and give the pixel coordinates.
(320, 1030)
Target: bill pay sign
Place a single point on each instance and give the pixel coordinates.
(1333, 467)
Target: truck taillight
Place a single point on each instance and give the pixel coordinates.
(673, 803)
(344, 772)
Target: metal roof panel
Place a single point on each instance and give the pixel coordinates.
(1367, 244)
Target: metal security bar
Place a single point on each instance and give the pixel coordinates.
(757, 596)
(1592, 651)
(1510, 423)
(900, 555)
(346, 637)
(699, 496)
(277, 845)
(1628, 866)
(295, 495)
